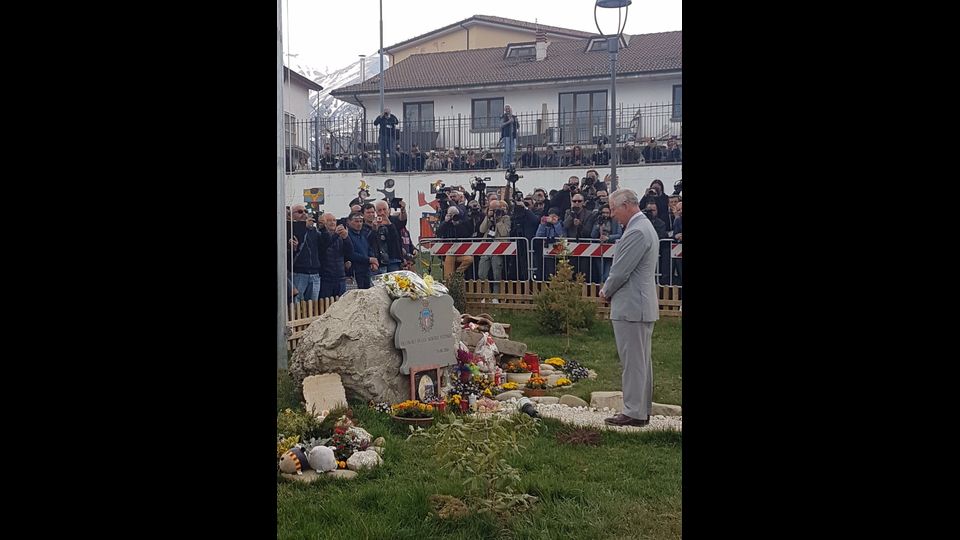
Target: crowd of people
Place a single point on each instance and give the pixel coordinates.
(325, 251)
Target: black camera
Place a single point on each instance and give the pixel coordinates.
(678, 187)
(478, 183)
(511, 174)
(651, 192)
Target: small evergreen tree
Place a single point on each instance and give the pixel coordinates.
(457, 292)
(561, 307)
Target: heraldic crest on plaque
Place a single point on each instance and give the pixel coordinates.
(424, 331)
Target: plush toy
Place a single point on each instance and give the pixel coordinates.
(321, 459)
(318, 458)
(293, 461)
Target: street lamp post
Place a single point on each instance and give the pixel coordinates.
(613, 46)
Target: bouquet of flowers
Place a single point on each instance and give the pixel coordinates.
(537, 382)
(412, 409)
(407, 284)
(517, 366)
(556, 362)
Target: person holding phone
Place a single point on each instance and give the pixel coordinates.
(387, 123)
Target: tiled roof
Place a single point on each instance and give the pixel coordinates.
(566, 59)
(495, 20)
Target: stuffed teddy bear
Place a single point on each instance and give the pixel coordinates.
(318, 458)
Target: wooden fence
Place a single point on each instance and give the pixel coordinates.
(513, 295)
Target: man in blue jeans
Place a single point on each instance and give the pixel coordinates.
(387, 123)
(509, 127)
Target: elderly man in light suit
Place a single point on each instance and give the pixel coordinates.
(632, 293)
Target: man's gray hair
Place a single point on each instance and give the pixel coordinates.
(624, 196)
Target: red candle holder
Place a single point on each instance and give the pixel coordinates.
(464, 405)
(442, 406)
(533, 362)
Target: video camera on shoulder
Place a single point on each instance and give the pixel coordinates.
(479, 184)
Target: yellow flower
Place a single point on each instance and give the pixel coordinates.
(403, 283)
(563, 381)
(555, 361)
(509, 386)
(487, 392)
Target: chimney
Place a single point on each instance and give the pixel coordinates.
(541, 45)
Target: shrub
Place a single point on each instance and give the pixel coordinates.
(457, 291)
(561, 307)
(477, 449)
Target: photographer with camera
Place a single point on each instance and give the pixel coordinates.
(524, 223)
(495, 225)
(390, 250)
(589, 190)
(388, 135)
(479, 187)
(455, 226)
(336, 258)
(607, 230)
(561, 199)
(509, 128)
(656, 193)
(578, 223)
(307, 245)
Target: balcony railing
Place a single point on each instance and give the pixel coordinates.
(352, 137)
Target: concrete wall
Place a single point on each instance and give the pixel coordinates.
(340, 188)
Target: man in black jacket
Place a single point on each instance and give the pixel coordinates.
(307, 248)
(339, 250)
(388, 135)
(390, 250)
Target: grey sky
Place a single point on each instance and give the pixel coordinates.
(331, 35)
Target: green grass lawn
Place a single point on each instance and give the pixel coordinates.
(627, 487)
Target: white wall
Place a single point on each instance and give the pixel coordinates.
(529, 101)
(341, 188)
(296, 102)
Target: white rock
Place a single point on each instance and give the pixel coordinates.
(362, 435)
(666, 410)
(572, 401)
(512, 394)
(377, 449)
(546, 400)
(379, 441)
(366, 459)
(613, 400)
